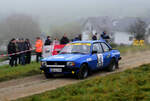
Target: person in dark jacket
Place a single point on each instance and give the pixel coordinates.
(18, 50)
(94, 37)
(17, 61)
(48, 41)
(22, 48)
(76, 38)
(80, 37)
(105, 36)
(12, 52)
(64, 40)
(28, 49)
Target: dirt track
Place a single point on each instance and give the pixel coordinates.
(11, 90)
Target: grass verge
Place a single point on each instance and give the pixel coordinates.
(130, 85)
(3, 59)
(8, 73)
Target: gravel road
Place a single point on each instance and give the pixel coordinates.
(14, 89)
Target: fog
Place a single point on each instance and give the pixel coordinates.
(60, 11)
(28, 17)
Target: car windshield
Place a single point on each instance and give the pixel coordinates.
(76, 48)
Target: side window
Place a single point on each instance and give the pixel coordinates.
(105, 47)
(97, 47)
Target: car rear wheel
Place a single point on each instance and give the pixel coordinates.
(83, 72)
(48, 75)
(117, 65)
(112, 66)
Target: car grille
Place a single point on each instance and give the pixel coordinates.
(56, 63)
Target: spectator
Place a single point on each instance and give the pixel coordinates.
(80, 37)
(71, 40)
(48, 41)
(22, 49)
(38, 50)
(94, 37)
(12, 50)
(64, 40)
(17, 51)
(76, 38)
(104, 36)
(56, 42)
(28, 53)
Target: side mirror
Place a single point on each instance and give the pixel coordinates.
(94, 52)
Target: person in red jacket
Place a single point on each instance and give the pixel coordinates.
(38, 48)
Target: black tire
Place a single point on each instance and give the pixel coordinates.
(112, 66)
(83, 72)
(48, 75)
(117, 65)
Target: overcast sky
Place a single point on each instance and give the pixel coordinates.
(73, 9)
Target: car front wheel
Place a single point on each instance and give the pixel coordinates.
(83, 72)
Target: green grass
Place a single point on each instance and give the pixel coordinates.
(130, 85)
(8, 73)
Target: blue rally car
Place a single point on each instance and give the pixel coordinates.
(80, 58)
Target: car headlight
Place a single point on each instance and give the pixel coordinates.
(70, 64)
(43, 63)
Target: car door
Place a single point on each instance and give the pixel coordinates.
(106, 54)
(97, 57)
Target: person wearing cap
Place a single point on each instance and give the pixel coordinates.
(48, 41)
(11, 48)
(38, 48)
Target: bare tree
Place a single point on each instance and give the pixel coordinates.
(19, 26)
(139, 29)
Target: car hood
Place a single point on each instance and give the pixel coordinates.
(65, 57)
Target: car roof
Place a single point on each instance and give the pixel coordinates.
(92, 41)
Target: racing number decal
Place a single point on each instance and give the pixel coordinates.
(99, 60)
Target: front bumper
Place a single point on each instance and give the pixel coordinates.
(65, 70)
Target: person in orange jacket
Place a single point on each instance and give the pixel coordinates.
(38, 48)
